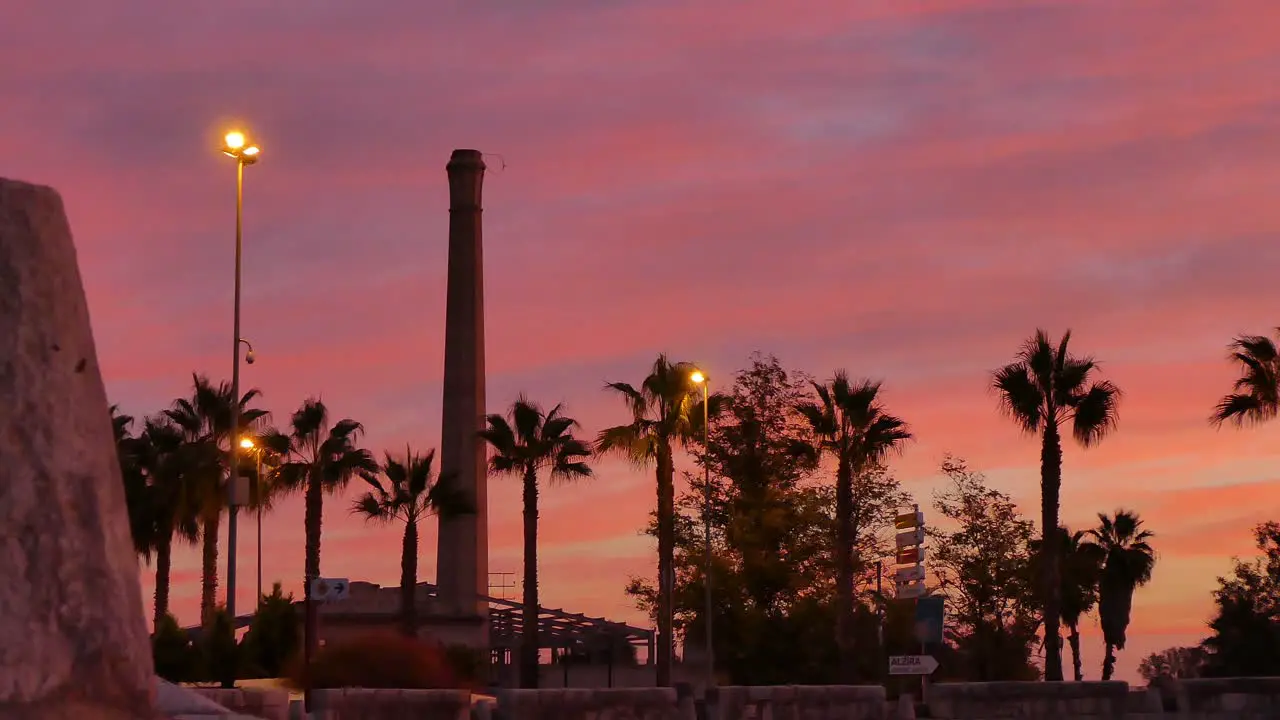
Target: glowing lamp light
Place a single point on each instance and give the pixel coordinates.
(247, 444)
(698, 377)
(235, 140)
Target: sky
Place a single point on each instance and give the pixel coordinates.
(903, 190)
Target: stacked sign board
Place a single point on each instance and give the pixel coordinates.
(909, 578)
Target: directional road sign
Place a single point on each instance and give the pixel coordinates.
(330, 589)
(906, 591)
(912, 665)
(910, 538)
(909, 520)
(909, 574)
(930, 612)
(911, 556)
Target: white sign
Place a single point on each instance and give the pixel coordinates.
(912, 665)
(910, 538)
(908, 591)
(909, 574)
(330, 589)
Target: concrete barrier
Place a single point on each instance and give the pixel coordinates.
(258, 702)
(982, 701)
(1227, 698)
(599, 704)
(812, 702)
(379, 704)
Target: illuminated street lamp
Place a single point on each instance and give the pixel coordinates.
(248, 444)
(700, 378)
(237, 146)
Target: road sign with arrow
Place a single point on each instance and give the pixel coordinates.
(912, 665)
(326, 590)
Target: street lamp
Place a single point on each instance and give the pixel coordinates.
(237, 146)
(700, 378)
(248, 444)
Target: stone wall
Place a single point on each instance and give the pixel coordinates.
(812, 702)
(262, 703)
(980, 701)
(1234, 698)
(599, 704)
(371, 704)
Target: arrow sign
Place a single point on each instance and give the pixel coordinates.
(909, 574)
(910, 537)
(905, 591)
(909, 520)
(912, 665)
(910, 557)
(330, 589)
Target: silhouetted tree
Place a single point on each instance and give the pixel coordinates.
(1255, 398)
(1043, 388)
(1245, 630)
(1128, 562)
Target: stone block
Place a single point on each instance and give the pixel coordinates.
(73, 642)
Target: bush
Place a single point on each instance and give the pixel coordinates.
(381, 659)
(171, 650)
(273, 638)
(218, 646)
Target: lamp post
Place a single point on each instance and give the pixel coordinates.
(701, 378)
(236, 146)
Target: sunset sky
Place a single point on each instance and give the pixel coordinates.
(902, 189)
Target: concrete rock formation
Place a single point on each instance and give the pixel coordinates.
(73, 643)
(463, 548)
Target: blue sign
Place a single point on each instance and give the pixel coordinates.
(929, 615)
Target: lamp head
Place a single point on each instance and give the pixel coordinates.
(235, 144)
(248, 357)
(247, 443)
(697, 377)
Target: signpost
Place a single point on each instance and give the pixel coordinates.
(922, 665)
(327, 590)
(909, 581)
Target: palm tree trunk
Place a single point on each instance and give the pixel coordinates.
(529, 620)
(1050, 548)
(164, 561)
(409, 579)
(1109, 663)
(209, 566)
(844, 568)
(666, 561)
(313, 518)
(1074, 638)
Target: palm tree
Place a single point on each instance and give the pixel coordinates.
(665, 410)
(318, 458)
(1255, 398)
(411, 492)
(1042, 389)
(205, 418)
(851, 425)
(1128, 563)
(173, 471)
(1081, 570)
(136, 499)
(525, 442)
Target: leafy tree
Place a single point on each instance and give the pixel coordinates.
(321, 458)
(1081, 572)
(984, 569)
(1175, 663)
(526, 443)
(411, 492)
(666, 410)
(218, 648)
(1245, 631)
(273, 639)
(1042, 389)
(205, 419)
(852, 426)
(1127, 566)
(1255, 397)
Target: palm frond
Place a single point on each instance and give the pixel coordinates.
(1096, 412)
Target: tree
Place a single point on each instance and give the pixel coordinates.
(851, 426)
(136, 498)
(1081, 571)
(411, 492)
(1042, 389)
(175, 658)
(173, 470)
(1255, 397)
(984, 569)
(1245, 639)
(1175, 663)
(320, 458)
(205, 419)
(665, 411)
(272, 640)
(1128, 562)
(526, 443)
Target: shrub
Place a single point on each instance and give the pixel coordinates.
(379, 659)
(219, 648)
(171, 650)
(273, 638)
